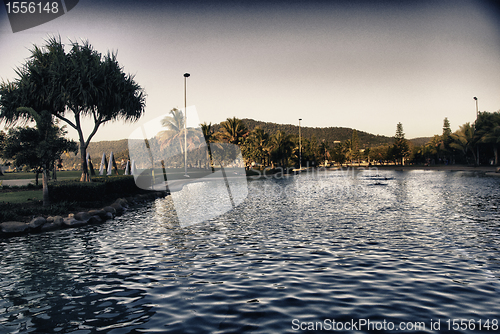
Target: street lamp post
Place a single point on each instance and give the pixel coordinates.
(186, 75)
(300, 147)
(477, 110)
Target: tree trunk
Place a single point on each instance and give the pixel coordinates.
(85, 171)
(210, 158)
(474, 156)
(45, 177)
(54, 176)
(36, 177)
(495, 152)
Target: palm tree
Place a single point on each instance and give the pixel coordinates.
(463, 140)
(492, 137)
(175, 131)
(347, 151)
(282, 145)
(210, 138)
(324, 150)
(488, 131)
(233, 131)
(258, 145)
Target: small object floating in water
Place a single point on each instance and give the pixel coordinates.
(379, 178)
(378, 184)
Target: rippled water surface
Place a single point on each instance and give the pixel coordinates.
(400, 247)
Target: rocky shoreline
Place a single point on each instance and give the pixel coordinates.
(94, 216)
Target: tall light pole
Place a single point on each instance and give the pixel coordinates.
(186, 75)
(300, 147)
(477, 110)
(477, 147)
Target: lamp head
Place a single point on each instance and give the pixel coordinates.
(186, 75)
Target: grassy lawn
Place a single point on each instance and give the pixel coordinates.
(21, 196)
(172, 174)
(17, 176)
(21, 175)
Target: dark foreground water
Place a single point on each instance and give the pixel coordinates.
(418, 250)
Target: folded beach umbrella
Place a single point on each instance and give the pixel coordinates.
(103, 163)
(110, 164)
(127, 169)
(134, 170)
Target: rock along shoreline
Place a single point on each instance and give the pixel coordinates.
(94, 216)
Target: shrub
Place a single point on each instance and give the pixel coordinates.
(76, 191)
(6, 212)
(118, 184)
(98, 190)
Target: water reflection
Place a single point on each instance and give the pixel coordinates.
(400, 246)
(56, 282)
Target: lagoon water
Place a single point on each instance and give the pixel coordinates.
(419, 246)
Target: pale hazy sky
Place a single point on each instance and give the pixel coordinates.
(364, 64)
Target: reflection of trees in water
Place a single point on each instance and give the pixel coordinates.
(58, 285)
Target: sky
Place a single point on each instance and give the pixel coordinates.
(359, 64)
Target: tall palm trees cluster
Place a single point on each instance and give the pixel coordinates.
(474, 144)
(258, 148)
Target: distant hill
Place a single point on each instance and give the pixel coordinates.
(329, 134)
(118, 147)
(420, 141)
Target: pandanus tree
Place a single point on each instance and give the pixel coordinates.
(72, 86)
